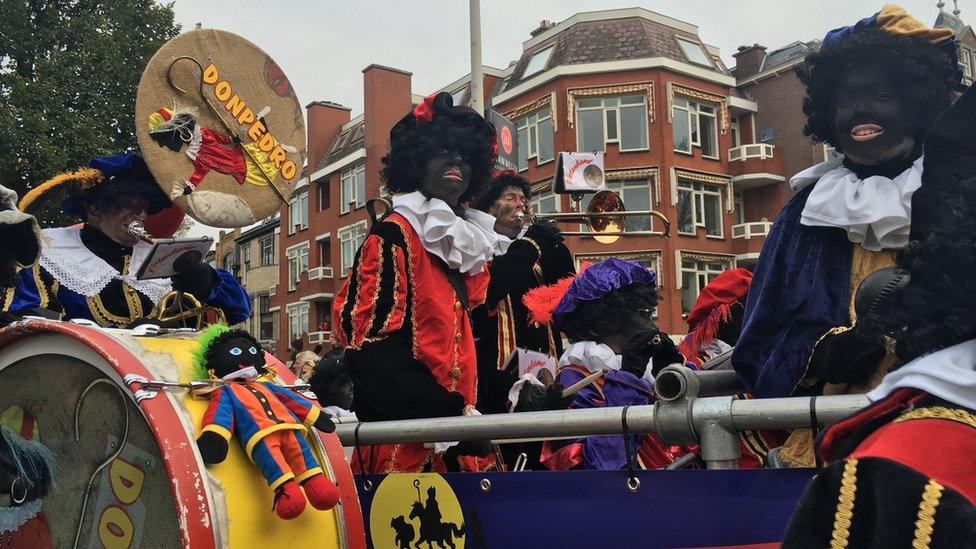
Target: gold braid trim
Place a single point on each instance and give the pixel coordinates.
(44, 298)
(939, 412)
(8, 297)
(845, 506)
(926, 515)
(131, 296)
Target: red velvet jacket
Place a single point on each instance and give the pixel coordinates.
(406, 333)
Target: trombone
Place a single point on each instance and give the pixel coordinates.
(604, 218)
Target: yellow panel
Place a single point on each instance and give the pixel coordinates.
(252, 523)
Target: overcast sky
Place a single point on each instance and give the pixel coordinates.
(323, 45)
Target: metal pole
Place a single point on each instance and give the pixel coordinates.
(778, 413)
(477, 71)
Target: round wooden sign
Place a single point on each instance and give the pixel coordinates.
(220, 127)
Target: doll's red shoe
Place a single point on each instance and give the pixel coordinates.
(289, 500)
(322, 493)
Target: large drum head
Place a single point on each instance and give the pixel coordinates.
(216, 115)
(131, 503)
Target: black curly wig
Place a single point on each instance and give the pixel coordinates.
(329, 379)
(932, 311)
(601, 318)
(413, 142)
(924, 74)
(498, 185)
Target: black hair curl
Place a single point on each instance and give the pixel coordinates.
(923, 73)
(329, 378)
(497, 187)
(598, 319)
(414, 142)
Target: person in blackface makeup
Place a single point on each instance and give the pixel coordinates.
(403, 316)
(873, 91)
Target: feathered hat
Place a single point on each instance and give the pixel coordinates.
(713, 307)
(553, 303)
(105, 177)
(895, 21)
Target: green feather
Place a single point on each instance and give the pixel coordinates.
(199, 353)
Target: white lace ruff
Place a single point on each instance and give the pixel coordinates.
(193, 147)
(464, 244)
(876, 212)
(12, 518)
(78, 269)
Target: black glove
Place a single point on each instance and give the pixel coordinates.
(477, 448)
(213, 447)
(664, 353)
(533, 398)
(545, 234)
(848, 357)
(198, 280)
(324, 423)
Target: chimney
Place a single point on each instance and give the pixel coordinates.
(325, 120)
(544, 25)
(748, 60)
(386, 99)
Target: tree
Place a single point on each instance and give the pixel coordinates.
(69, 70)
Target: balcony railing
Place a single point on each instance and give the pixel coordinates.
(751, 229)
(316, 273)
(760, 151)
(319, 337)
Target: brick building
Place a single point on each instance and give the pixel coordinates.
(678, 137)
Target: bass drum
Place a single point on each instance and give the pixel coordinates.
(132, 450)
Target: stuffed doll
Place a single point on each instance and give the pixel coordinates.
(269, 420)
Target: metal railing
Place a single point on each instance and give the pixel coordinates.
(684, 418)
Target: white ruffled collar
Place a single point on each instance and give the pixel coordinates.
(464, 244)
(595, 356)
(876, 212)
(949, 374)
(75, 267)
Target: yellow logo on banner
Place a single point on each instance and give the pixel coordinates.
(413, 509)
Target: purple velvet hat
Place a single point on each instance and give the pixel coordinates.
(598, 280)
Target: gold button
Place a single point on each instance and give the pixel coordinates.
(457, 337)
(455, 372)
(457, 305)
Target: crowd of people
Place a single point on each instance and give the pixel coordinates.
(855, 292)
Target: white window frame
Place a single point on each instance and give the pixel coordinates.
(544, 55)
(692, 109)
(736, 131)
(966, 61)
(537, 199)
(615, 109)
(261, 247)
(299, 222)
(297, 263)
(691, 44)
(350, 233)
(740, 211)
(357, 188)
(296, 313)
(260, 316)
(702, 269)
(530, 125)
(698, 191)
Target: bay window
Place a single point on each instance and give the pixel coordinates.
(694, 124)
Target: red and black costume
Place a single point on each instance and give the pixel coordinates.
(403, 315)
(407, 339)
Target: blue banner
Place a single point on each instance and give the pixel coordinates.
(675, 509)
